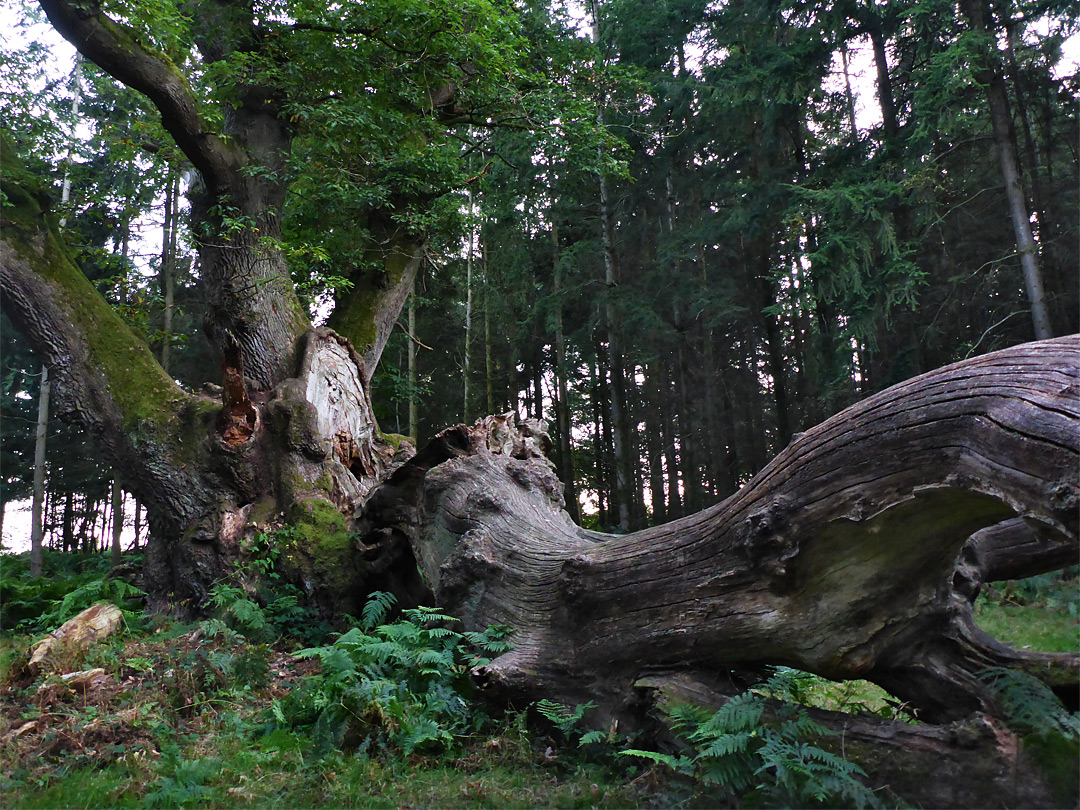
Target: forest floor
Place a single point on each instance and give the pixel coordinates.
(179, 717)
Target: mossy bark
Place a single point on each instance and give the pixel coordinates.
(311, 455)
(380, 285)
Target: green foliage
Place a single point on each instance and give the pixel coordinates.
(568, 721)
(852, 697)
(400, 686)
(762, 753)
(1030, 707)
(186, 784)
(564, 718)
(252, 601)
(69, 584)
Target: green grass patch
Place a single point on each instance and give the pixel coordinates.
(1029, 627)
(1039, 613)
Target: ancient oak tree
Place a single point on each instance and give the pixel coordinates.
(849, 555)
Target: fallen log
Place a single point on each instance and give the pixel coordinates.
(839, 558)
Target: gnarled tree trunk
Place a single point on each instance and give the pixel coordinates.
(838, 558)
(842, 557)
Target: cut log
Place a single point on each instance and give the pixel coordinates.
(66, 644)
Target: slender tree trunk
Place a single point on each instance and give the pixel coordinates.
(168, 266)
(621, 493)
(68, 522)
(489, 358)
(889, 121)
(117, 521)
(688, 440)
(1004, 140)
(849, 96)
(414, 411)
(538, 387)
(468, 313)
(669, 406)
(654, 443)
(136, 525)
(1018, 211)
(40, 434)
(562, 401)
(775, 351)
(603, 431)
(730, 449)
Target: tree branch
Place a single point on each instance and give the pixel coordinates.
(838, 558)
(106, 379)
(116, 48)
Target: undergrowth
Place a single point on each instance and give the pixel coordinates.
(69, 583)
(402, 686)
(761, 753)
(259, 705)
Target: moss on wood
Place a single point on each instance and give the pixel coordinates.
(139, 387)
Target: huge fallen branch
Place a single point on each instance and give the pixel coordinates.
(846, 557)
(838, 558)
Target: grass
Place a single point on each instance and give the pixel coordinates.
(225, 766)
(1039, 613)
(183, 721)
(1025, 627)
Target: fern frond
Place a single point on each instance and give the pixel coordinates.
(727, 744)
(377, 609)
(653, 756)
(1030, 706)
(443, 632)
(590, 737)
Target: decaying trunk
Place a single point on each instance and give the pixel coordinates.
(838, 558)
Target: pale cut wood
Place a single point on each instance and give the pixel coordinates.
(68, 642)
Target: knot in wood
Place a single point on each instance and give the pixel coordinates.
(769, 544)
(1065, 500)
(485, 502)
(573, 583)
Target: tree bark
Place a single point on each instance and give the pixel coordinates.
(380, 285)
(1012, 549)
(838, 558)
(253, 315)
